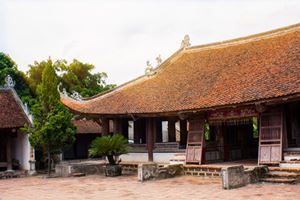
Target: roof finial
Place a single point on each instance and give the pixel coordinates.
(149, 69)
(9, 82)
(75, 95)
(64, 91)
(185, 43)
(158, 60)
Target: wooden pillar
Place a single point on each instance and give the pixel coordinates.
(158, 131)
(150, 131)
(171, 130)
(284, 131)
(183, 132)
(8, 152)
(105, 126)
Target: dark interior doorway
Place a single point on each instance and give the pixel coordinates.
(240, 142)
(2, 152)
(231, 141)
(292, 115)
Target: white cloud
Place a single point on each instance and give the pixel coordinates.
(119, 36)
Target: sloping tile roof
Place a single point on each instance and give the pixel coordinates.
(12, 114)
(248, 69)
(87, 127)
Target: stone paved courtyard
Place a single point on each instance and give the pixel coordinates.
(127, 187)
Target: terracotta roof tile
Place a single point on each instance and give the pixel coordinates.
(12, 114)
(87, 127)
(253, 68)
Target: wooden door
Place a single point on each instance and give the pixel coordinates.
(195, 141)
(270, 138)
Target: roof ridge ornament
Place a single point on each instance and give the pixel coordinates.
(75, 95)
(64, 91)
(158, 60)
(9, 82)
(149, 69)
(185, 43)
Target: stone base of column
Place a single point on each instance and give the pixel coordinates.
(32, 170)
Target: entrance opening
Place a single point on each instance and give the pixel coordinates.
(292, 115)
(231, 141)
(240, 142)
(2, 153)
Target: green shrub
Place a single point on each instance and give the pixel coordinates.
(109, 146)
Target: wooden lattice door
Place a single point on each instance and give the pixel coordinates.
(195, 141)
(270, 138)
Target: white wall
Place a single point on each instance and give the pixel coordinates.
(143, 157)
(21, 150)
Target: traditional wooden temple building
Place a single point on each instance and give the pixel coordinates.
(15, 150)
(231, 100)
(86, 132)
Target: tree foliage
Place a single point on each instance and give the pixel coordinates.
(53, 130)
(109, 146)
(9, 67)
(76, 76)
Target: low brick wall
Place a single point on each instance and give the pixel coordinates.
(66, 169)
(150, 171)
(129, 168)
(202, 170)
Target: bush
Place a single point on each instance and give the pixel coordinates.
(109, 146)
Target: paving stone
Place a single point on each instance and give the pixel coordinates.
(127, 187)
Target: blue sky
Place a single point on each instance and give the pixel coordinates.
(118, 37)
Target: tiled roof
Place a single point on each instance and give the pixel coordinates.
(12, 114)
(87, 127)
(258, 67)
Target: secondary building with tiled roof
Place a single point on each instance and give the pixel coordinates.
(224, 85)
(15, 150)
(86, 132)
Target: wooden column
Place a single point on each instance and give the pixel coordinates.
(150, 131)
(105, 126)
(8, 152)
(171, 130)
(183, 132)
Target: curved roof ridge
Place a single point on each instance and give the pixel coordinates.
(133, 81)
(246, 39)
(222, 44)
(179, 84)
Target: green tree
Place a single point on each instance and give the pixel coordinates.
(76, 76)
(53, 130)
(9, 67)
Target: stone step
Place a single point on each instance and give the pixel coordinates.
(178, 158)
(282, 174)
(279, 180)
(181, 159)
(291, 157)
(295, 170)
(290, 164)
(177, 161)
(180, 155)
(78, 174)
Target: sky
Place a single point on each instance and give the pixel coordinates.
(119, 36)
